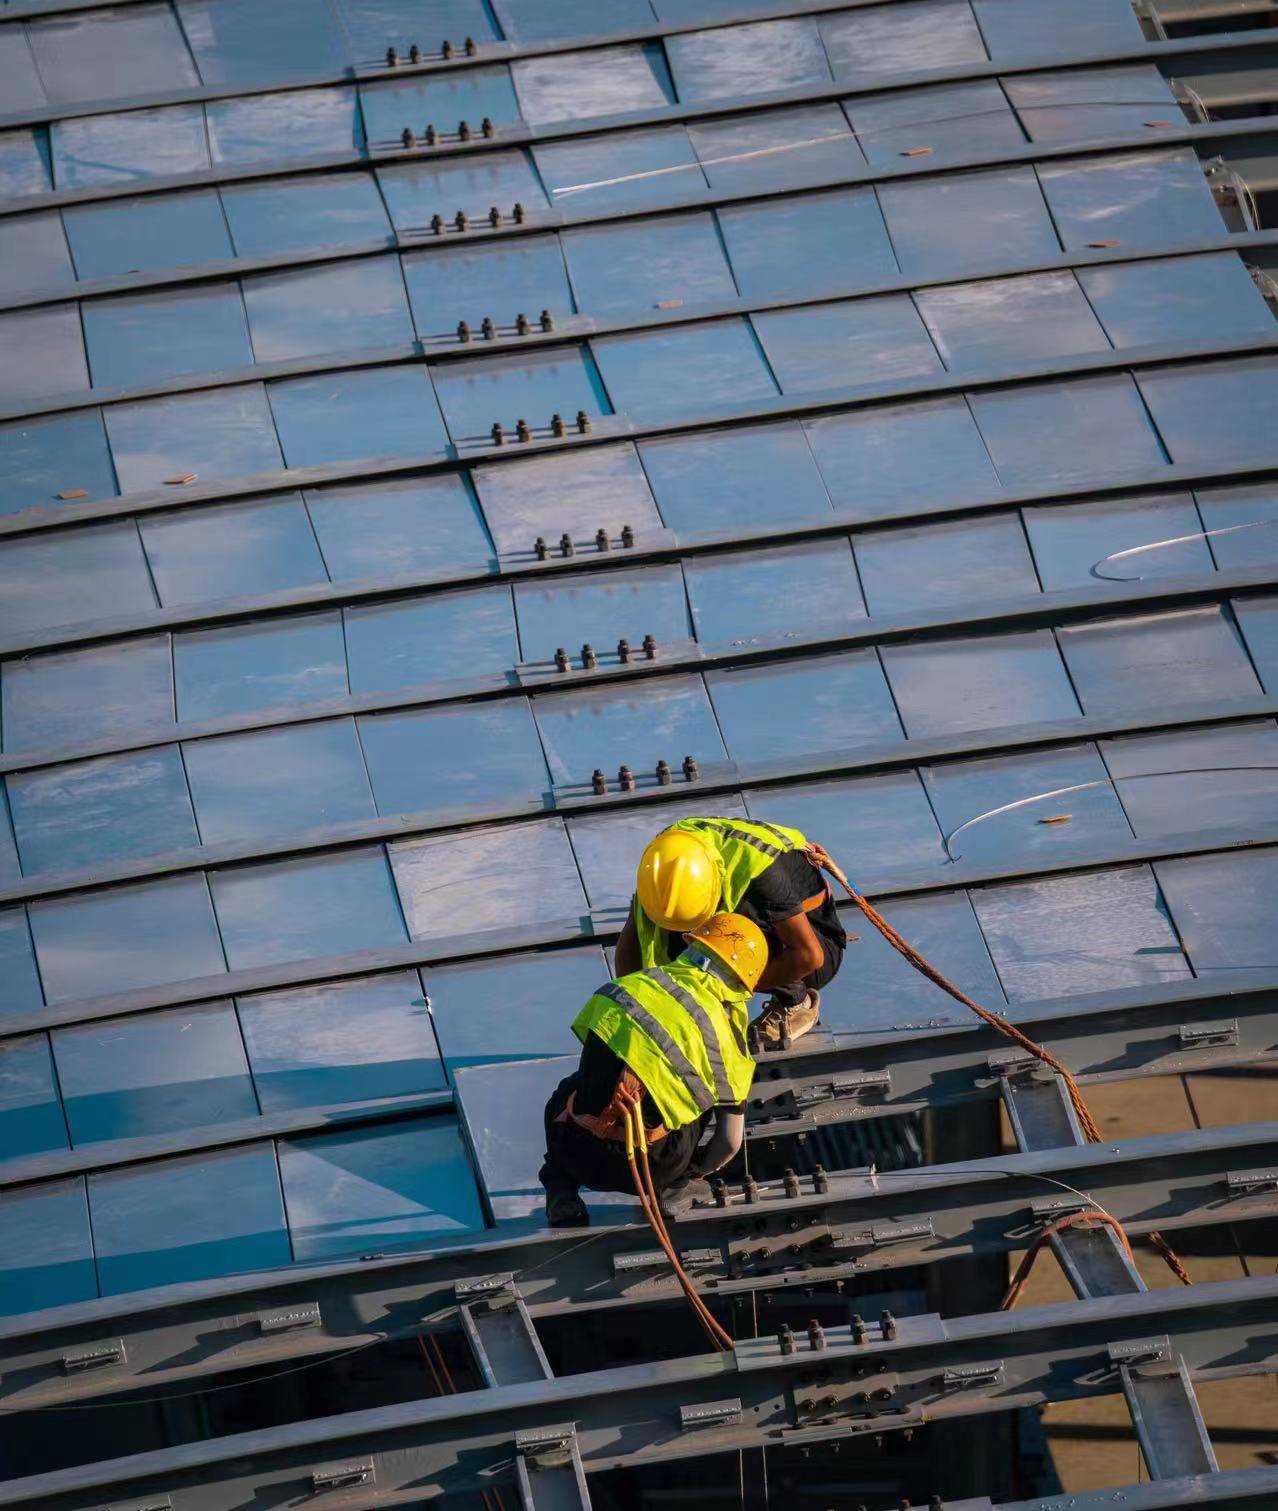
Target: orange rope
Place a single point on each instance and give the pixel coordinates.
(1091, 1130)
(1096, 1219)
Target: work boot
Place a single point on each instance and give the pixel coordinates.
(678, 1200)
(565, 1209)
(779, 1024)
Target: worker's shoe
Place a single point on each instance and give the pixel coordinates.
(565, 1209)
(678, 1200)
(780, 1024)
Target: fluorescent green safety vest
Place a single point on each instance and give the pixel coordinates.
(742, 848)
(682, 1030)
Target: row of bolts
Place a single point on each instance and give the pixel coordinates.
(461, 221)
(465, 133)
(523, 432)
(589, 660)
(488, 330)
(860, 1334)
(626, 781)
(602, 543)
(446, 50)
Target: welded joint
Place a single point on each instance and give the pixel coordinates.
(289, 1319)
(656, 1259)
(1010, 1064)
(491, 1292)
(147, 1503)
(100, 1356)
(1251, 1182)
(880, 1234)
(726, 1413)
(547, 1447)
(860, 1086)
(971, 1376)
(1048, 1209)
(1140, 1353)
(1208, 1035)
(343, 1475)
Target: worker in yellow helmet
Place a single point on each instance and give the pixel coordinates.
(673, 1035)
(766, 873)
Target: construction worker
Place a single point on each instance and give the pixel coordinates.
(673, 1035)
(768, 874)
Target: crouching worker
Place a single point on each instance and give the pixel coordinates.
(674, 1036)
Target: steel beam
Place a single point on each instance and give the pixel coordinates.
(1229, 1490)
(843, 1382)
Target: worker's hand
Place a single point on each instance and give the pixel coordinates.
(817, 854)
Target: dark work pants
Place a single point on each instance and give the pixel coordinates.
(794, 992)
(575, 1157)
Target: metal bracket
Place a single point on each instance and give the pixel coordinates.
(97, 1357)
(1139, 1352)
(1208, 1035)
(655, 1259)
(547, 1447)
(1048, 1208)
(880, 1233)
(497, 1289)
(968, 1376)
(1011, 1062)
(858, 1086)
(342, 1476)
(1249, 1182)
(290, 1318)
(727, 1413)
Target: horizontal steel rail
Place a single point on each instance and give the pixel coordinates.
(860, 1224)
(1229, 1489)
(904, 1372)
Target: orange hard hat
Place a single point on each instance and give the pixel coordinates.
(738, 942)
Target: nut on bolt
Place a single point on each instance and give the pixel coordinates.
(497, 434)
(487, 128)
(566, 547)
(446, 49)
(522, 430)
(547, 321)
(691, 771)
(392, 58)
(598, 782)
(521, 320)
(414, 54)
(464, 132)
(470, 47)
(518, 213)
(541, 549)
(431, 136)
(463, 331)
(407, 138)
(494, 216)
(663, 773)
(623, 651)
(583, 422)
(557, 427)
(626, 779)
(462, 221)
(561, 660)
(602, 542)
(588, 658)
(627, 536)
(487, 329)
(650, 647)
(437, 224)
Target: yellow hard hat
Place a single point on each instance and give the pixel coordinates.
(738, 942)
(678, 882)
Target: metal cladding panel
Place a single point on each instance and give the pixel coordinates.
(20, 79)
(408, 641)
(221, 432)
(657, 375)
(787, 148)
(449, 285)
(31, 1120)
(662, 263)
(148, 337)
(367, 412)
(85, 574)
(364, 304)
(272, 663)
(629, 170)
(1223, 911)
(1010, 322)
(19, 978)
(1241, 521)
(1121, 540)
(45, 351)
(259, 128)
(241, 43)
(269, 217)
(390, 105)
(575, 86)
(1225, 776)
(731, 61)
(139, 234)
(1073, 104)
(866, 44)
(373, 24)
(1141, 198)
(98, 691)
(98, 150)
(398, 527)
(804, 591)
(34, 253)
(991, 218)
(607, 846)
(932, 566)
(1016, 29)
(1214, 411)
(414, 192)
(835, 345)
(549, 20)
(601, 610)
(53, 454)
(504, 390)
(941, 121)
(47, 1259)
(25, 163)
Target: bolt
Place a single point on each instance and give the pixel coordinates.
(521, 320)
(623, 651)
(561, 660)
(518, 212)
(432, 136)
(719, 1190)
(547, 321)
(750, 1189)
(522, 430)
(414, 54)
(791, 1183)
(858, 1328)
(392, 58)
(446, 48)
(602, 543)
(888, 1323)
(462, 221)
(437, 224)
(626, 779)
(663, 773)
(883, 1394)
(583, 422)
(463, 331)
(498, 434)
(487, 128)
(691, 771)
(598, 784)
(541, 548)
(566, 547)
(557, 427)
(407, 138)
(588, 658)
(650, 647)
(816, 1334)
(463, 131)
(488, 329)
(786, 1339)
(820, 1180)
(494, 216)
(470, 47)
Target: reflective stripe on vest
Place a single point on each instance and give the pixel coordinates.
(698, 1014)
(682, 1065)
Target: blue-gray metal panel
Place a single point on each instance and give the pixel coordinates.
(807, 244)
(820, 704)
(19, 980)
(601, 609)
(876, 825)
(81, 694)
(979, 682)
(34, 252)
(1223, 909)
(1214, 411)
(1091, 932)
(274, 215)
(497, 279)
(90, 813)
(608, 847)
(374, 25)
(712, 481)
(94, 150)
(20, 85)
(631, 268)
(549, 20)
(991, 217)
(1076, 544)
(207, 1214)
(226, 550)
(1242, 523)
(1258, 620)
(239, 43)
(363, 302)
(776, 149)
(440, 100)
(43, 353)
(657, 375)
(480, 754)
(399, 527)
(31, 1119)
(430, 639)
(609, 727)
(878, 989)
(265, 782)
(1177, 298)
(153, 1073)
(111, 53)
(1068, 431)
(804, 591)
(416, 191)
(1076, 104)
(147, 232)
(221, 432)
(138, 339)
(872, 42)
(733, 61)
(1224, 777)
(575, 494)
(271, 663)
(530, 386)
(363, 412)
(92, 944)
(299, 123)
(840, 345)
(377, 1188)
(1156, 660)
(604, 81)
(1149, 198)
(1008, 809)
(73, 576)
(9, 872)
(47, 1258)
(1010, 322)
(890, 459)
(340, 1041)
(1017, 29)
(519, 871)
(621, 171)
(25, 166)
(328, 904)
(928, 567)
(940, 121)
(45, 457)
(517, 1007)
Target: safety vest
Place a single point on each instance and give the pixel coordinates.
(682, 1030)
(742, 848)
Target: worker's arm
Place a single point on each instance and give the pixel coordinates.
(724, 1141)
(796, 953)
(626, 954)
